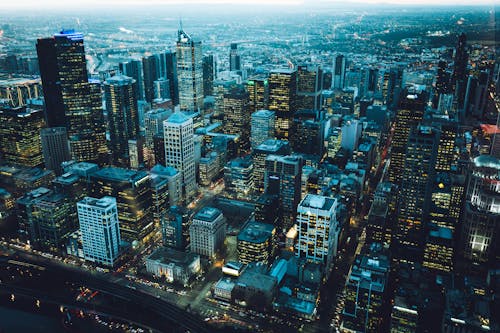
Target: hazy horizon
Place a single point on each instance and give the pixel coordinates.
(54, 5)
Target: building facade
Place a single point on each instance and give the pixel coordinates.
(100, 229)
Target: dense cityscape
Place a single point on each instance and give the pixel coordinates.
(317, 167)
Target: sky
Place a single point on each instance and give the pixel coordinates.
(47, 4)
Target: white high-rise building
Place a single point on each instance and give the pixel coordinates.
(100, 229)
(189, 72)
(318, 229)
(207, 232)
(179, 150)
(262, 127)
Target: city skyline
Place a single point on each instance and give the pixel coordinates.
(288, 166)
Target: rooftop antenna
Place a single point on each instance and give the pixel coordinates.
(180, 23)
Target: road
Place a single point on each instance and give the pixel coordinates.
(137, 304)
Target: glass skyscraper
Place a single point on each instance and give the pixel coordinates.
(70, 99)
(123, 122)
(189, 72)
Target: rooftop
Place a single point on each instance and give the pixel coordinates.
(166, 255)
(178, 117)
(120, 174)
(208, 214)
(317, 202)
(164, 171)
(119, 80)
(487, 161)
(104, 202)
(256, 232)
(263, 113)
(272, 145)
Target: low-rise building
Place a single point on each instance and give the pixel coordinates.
(173, 265)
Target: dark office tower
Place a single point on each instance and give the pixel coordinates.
(395, 87)
(259, 154)
(234, 58)
(442, 82)
(170, 60)
(495, 144)
(132, 190)
(339, 66)
(68, 94)
(459, 77)
(417, 177)
(237, 116)
(162, 89)
(446, 155)
(370, 83)
(189, 72)
(267, 209)
(283, 99)
(309, 87)
(446, 201)
(476, 95)
(123, 123)
(150, 70)
(308, 130)
(258, 88)
(481, 216)
(133, 69)
(209, 69)
(20, 136)
(54, 218)
(159, 148)
(55, 148)
(282, 177)
(98, 151)
(366, 290)
(410, 112)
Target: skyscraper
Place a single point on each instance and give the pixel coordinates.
(179, 150)
(189, 72)
(70, 100)
(365, 291)
(100, 230)
(169, 59)
(54, 218)
(339, 67)
(459, 77)
(153, 122)
(207, 232)
(234, 58)
(150, 70)
(123, 119)
(237, 116)
(282, 177)
(133, 69)
(259, 154)
(317, 228)
(420, 159)
(283, 99)
(309, 133)
(480, 227)
(309, 87)
(20, 142)
(446, 201)
(261, 127)
(132, 190)
(258, 88)
(209, 74)
(442, 82)
(410, 112)
(55, 148)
